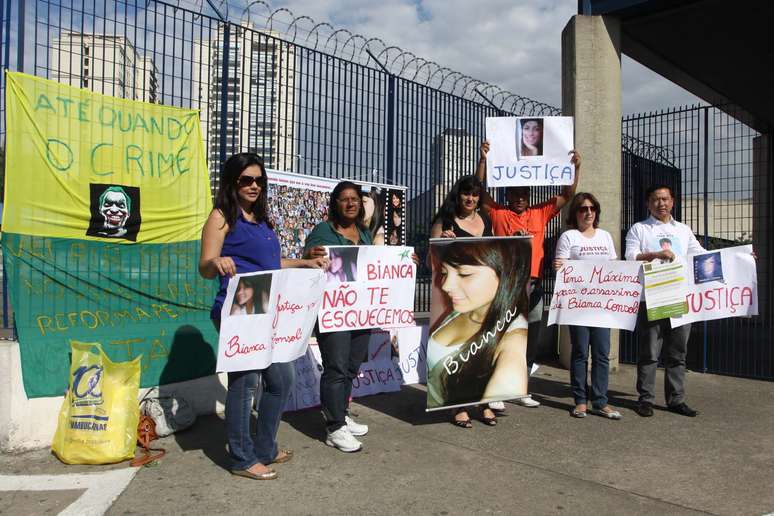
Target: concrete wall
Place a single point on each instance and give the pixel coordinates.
(591, 92)
(30, 423)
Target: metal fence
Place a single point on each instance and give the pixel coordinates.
(721, 171)
(307, 97)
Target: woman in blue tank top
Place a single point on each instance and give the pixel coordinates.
(238, 238)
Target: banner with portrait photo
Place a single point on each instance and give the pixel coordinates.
(476, 351)
(530, 151)
(298, 202)
(721, 283)
(268, 317)
(597, 293)
(105, 201)
(368, 287)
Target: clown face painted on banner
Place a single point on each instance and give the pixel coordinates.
(115, 206)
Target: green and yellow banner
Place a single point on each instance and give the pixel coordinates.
(105, 200)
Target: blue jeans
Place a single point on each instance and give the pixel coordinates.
(599, 339)
(342, 354)
(246, 450)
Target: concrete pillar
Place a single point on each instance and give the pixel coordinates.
(762, 216)
(591, 92)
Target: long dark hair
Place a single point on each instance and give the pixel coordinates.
(334, 215)
(572, 219)
(377, 219)
(227, 198)
(510, 259)
(451, 204)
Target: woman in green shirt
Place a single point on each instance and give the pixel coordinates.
(342, 352)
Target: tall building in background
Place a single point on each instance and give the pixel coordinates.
(453, 156)
(259, 75)
(104, 64)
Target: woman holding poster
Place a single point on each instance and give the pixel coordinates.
(459, 217)
(238, 238)
(477, 349)
(585, 241)
(342, 352)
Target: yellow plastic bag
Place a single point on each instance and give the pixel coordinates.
(99, 416)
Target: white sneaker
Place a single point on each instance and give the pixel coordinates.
(354, 427)
(528, 402)
(343, 440)
(497, 405)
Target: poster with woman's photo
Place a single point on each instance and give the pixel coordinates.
(268, 317)
(298, 202)
(530, 151)
(395, 216)
(368, 287)
(476, 351)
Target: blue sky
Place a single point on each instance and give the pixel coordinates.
(515, 44)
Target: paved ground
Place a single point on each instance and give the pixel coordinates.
(536, 461)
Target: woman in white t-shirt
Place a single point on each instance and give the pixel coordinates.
(585, 241)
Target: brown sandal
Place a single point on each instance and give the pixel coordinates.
(462, 423)
(283, 455)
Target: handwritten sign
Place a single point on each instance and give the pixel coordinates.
(368, 287)
(597, 293)
(377, 374)
(412, 353)
(721, 283)
(529, 151)
(268, 317)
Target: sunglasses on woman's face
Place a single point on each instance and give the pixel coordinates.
(245, 181)
(587, 209)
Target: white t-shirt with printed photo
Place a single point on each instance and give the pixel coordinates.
(573, 245)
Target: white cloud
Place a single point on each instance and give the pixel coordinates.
(514, 45)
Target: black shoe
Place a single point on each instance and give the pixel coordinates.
(644, 409)
(683, 410)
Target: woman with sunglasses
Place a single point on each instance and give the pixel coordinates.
(585, 241)
(238, 238)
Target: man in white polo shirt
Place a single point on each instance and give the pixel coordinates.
(646, 241)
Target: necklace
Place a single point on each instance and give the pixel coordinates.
(472, 216)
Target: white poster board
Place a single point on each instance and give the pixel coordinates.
(379, 373)
(268, 317)
(368, 287)
(530, 151)
(596, 293)
(721, 283)
(412, 353)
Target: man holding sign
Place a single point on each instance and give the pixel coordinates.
(647, 241)
(519, 218)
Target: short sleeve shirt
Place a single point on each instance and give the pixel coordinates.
(506, 222)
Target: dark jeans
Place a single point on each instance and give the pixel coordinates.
(599, 339)
(342, 353)
(658, 338)
(275, 383)
(246, 450)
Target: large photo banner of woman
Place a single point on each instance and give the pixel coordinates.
(476, 352)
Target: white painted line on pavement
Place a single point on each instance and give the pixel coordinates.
(102, 489)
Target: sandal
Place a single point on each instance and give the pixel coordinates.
(269, 475)
(577, 412)
(607, 412)
(488, 420)
(283, 455)
(462, 423)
